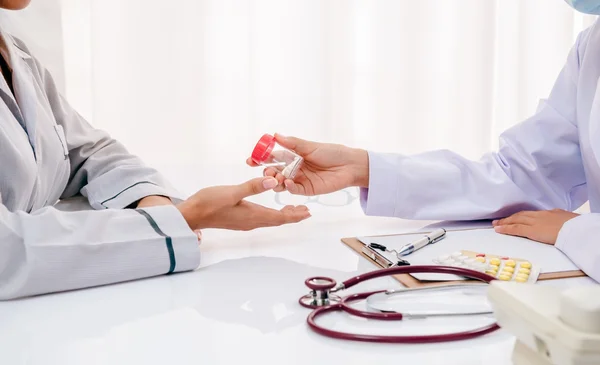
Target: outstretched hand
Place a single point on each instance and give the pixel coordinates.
(225, 207)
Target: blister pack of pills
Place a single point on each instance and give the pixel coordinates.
(500, 267)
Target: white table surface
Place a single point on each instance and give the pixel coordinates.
(240, 306)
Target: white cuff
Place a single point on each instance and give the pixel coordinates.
(381, 199)
(578, 241)
(170, 223)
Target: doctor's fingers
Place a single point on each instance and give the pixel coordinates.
(271, 172)
(520, 230)
(521, 218)
(293, 188)
(300, 146)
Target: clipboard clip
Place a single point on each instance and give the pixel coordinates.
(370, 252)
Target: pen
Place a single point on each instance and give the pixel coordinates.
(431, 238)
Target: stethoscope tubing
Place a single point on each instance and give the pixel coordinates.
(420, 339)
(344, 306)
(432, 269)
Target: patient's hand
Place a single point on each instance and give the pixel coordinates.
(542, 226)
(225, 207)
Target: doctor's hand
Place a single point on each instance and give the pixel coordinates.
(225, 207)
(327, 167)
(542, 226)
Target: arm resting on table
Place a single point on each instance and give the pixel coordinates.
(52, 251)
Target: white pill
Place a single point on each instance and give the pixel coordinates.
(462, 258)
(480, 267)
(443, 258)
(457, 254)
(470, 261)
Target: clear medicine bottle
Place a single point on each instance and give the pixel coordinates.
(269, 153)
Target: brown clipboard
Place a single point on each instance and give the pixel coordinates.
(411, 282)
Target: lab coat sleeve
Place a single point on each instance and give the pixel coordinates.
(101, 168)
(538, 166)
(578, 241)
(53, 251)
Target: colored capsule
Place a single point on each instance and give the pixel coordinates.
(510, 263)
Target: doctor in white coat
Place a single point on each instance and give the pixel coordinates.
(546, 167)
(140, 226)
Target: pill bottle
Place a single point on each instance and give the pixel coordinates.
(269, 153)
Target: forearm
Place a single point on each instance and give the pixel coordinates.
(359, 167)
(110, 177)
(52, 251)
(441, 185)
(538, 166)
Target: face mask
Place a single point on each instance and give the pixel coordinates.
(585, 6)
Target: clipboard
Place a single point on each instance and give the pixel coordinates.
(409, 281)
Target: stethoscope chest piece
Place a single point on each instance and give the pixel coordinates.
(320, 294)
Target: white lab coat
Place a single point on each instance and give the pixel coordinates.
(550, 160)
(49, 152)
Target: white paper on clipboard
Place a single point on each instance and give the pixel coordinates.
(547, 257)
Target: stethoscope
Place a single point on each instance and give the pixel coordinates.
(322, 300)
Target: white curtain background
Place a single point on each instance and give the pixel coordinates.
(192, 84)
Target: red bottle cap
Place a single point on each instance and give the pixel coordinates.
(263, 148)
